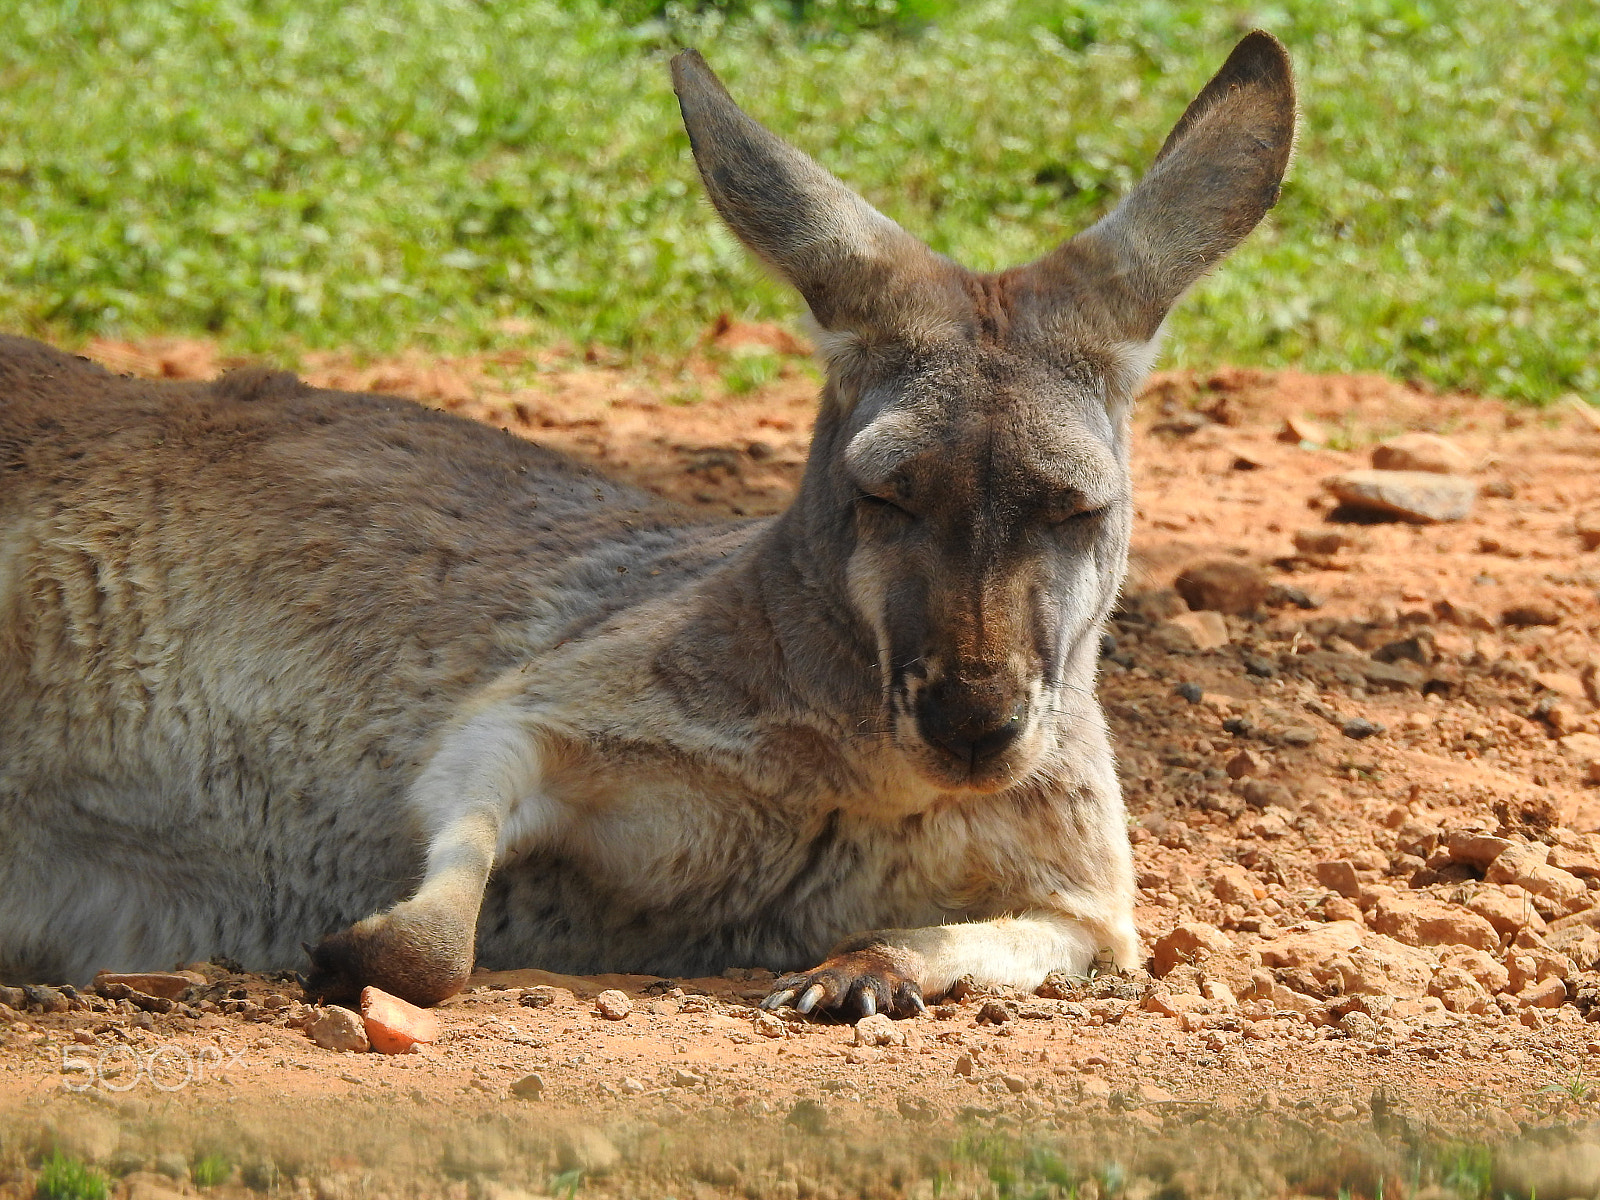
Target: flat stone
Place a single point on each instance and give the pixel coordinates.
(1344, 956)
(1475, 849)
(1421, 452)
(1419, 496)
(1418, 921)
(167, 984)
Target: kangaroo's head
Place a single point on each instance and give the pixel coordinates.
(968, 490)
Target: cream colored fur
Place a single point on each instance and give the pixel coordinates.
(280, 665)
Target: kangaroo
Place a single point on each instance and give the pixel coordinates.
(279, 663)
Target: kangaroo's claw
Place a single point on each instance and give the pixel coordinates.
(850, 986)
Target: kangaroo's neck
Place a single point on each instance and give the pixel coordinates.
(774, 631)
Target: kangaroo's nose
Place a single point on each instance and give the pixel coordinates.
(971, 732)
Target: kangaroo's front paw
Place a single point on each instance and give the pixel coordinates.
(852, 985)
(407, 955)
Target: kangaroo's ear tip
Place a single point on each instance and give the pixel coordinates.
(689, 66)
(1260, 55)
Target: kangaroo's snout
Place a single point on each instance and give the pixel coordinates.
(975, 724)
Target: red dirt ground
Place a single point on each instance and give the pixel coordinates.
(1345, 953)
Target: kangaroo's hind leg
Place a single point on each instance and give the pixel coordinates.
(484, 778)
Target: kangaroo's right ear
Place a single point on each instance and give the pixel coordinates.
(1216, 176)
(859, 272)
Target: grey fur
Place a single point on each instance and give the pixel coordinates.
(281, 664)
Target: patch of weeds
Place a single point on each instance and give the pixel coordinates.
(746, 373)
(1575, 1088)
(1467, 1169)
(209, 1170)
(566, 1183)
(63, 1178)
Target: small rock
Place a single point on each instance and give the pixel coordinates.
(1581, 747)
(1191, 942)
(1343, 955)
(53, 1000)
(338, 1028)
(686, 1079)
(1418, 921)
(542, 997)
(964, 1065)
(1474, 849)
(1484, 970)
(1587, 526)
(768, 1025)
(1093, 1087)
(394, 1026)
(613, 1005)
(1358, 1025)
(1360, 728)
(992, 1012)
(1222, 585)
(1340, 876)
(1326, 542)
(1555, 892)
(1232, 884)
(1193, 631)
(1337, 908)
(1509, 913)
(1419, 496)
(1189, 691)
(1529, 616)
(1301, 430)
(1014, 1083)
(1547, 993)
(1463, 615)
(529, 1087)
(1151, 1094)
(631, 1086)
(1246, 762)
(1421, 452)
(879, 1030)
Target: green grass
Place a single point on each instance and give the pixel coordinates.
(210, 1169)
(62, 1178)
(294, 174)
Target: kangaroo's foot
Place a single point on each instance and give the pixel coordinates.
(420, 956)
(852, 985)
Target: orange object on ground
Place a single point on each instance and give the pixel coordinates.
(394, 1026)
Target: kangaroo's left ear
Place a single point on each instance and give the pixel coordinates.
(860, 273)
(1216, 176)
